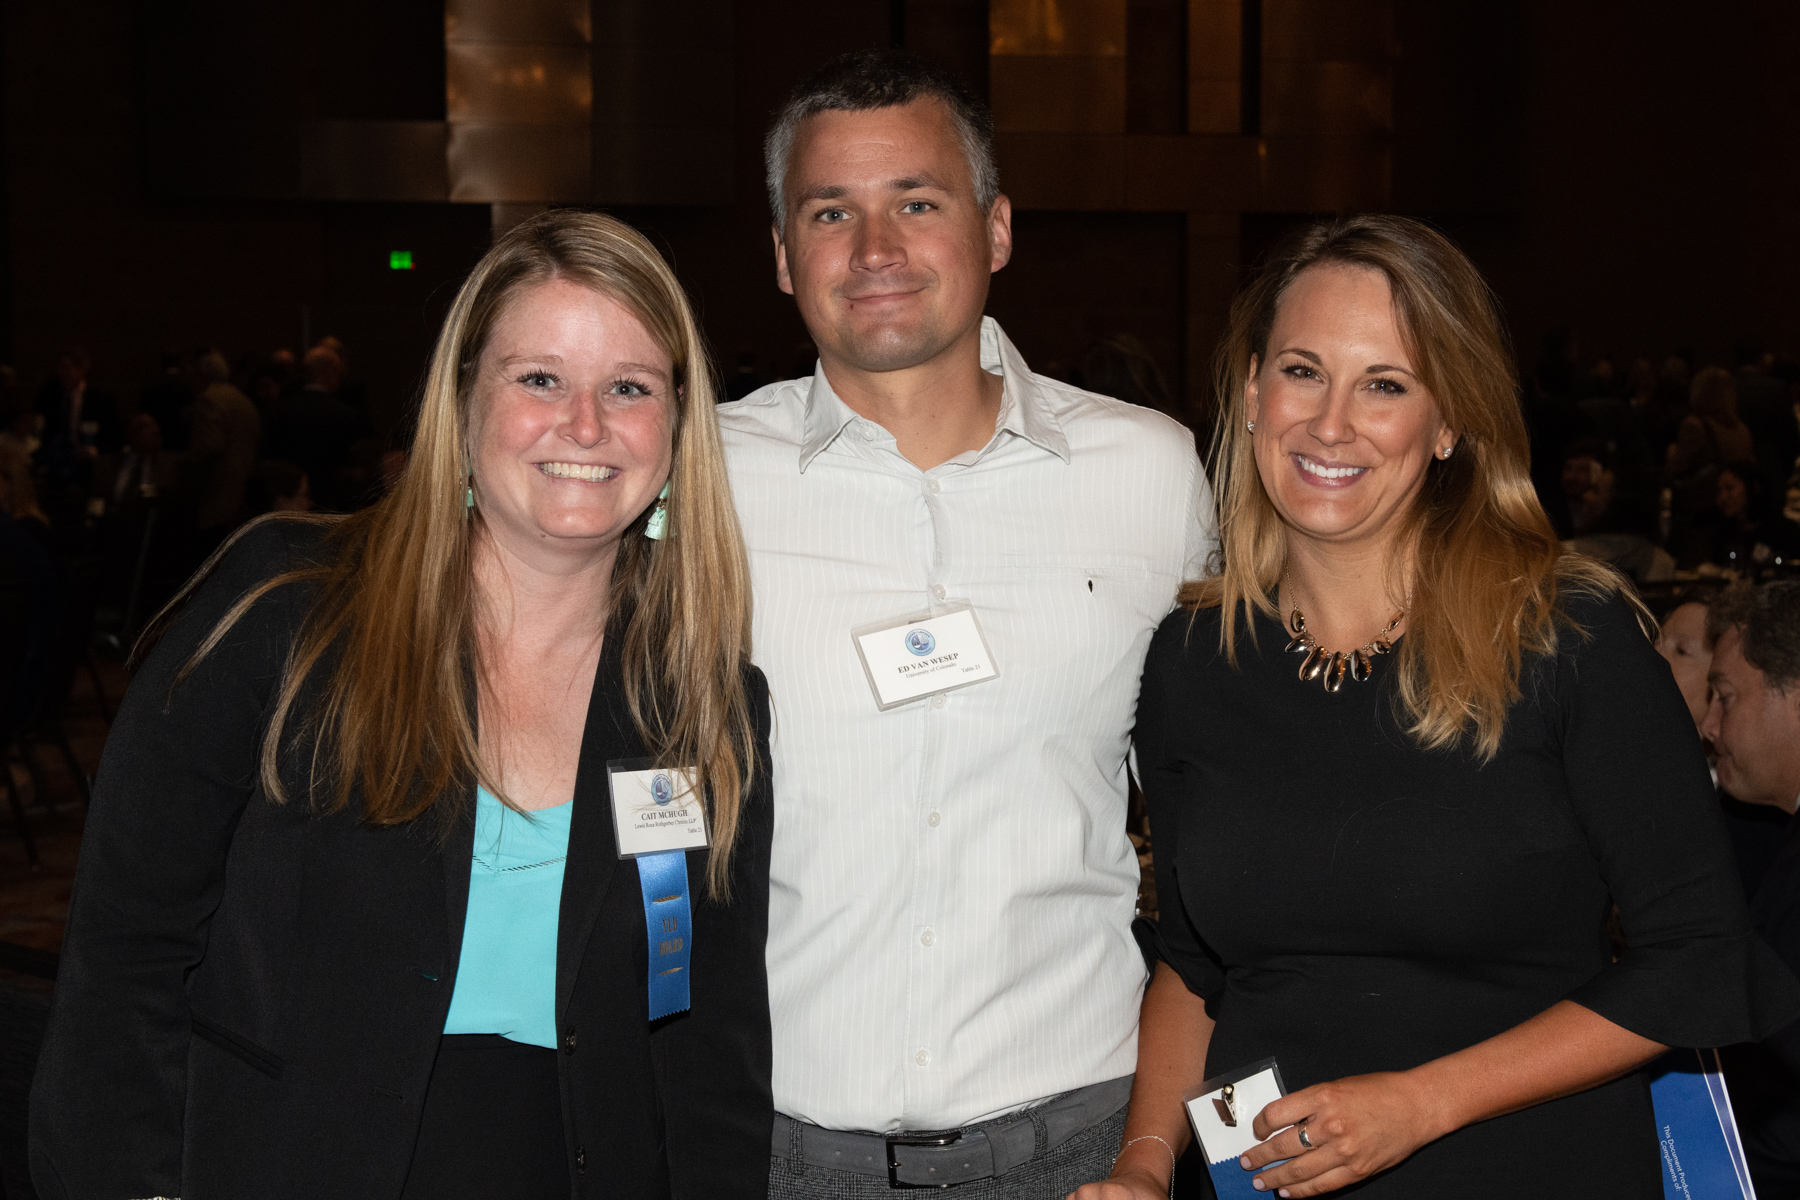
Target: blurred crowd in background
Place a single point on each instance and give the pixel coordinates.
(123, 497)
(1672, 470)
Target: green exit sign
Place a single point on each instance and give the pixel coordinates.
(400, 260)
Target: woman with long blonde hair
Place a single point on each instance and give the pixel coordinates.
(429, 853)
(1401, 757)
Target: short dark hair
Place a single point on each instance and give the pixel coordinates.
(1587, 447)
(1767, 619)
(864, 80)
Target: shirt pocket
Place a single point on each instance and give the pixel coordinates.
(1136, 581)
(1085, 612)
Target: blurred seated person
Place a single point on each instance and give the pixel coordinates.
(1735, 532)
(1754, 722)
(314, 429)
(1767, 410)
(226, 434)
(142, 470)
(1709, 437)
(1602, 517)
(277, 486)
(80, 423)
(1596, 502)
(1667, 406)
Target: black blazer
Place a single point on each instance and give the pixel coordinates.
(251, 995)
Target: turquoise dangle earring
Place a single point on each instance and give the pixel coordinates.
(656, 528)
(468, 487)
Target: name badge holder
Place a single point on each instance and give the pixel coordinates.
(1221, 1112)
(657, 819)
(906, 658)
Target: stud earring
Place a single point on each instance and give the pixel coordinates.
(1445, 452)
(656, 528)
(1250, 425)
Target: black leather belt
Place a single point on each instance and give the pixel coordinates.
(945, 1158)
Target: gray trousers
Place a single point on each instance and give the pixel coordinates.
(1050, 1175)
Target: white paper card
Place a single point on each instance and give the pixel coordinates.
(656, 809)
(1250, 1095)
(920, 656)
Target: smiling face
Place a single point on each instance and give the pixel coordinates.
(1344, 427)
(1755, 728)
(570, 423)
(885, 249)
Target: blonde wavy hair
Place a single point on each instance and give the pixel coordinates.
(1487, 567)
(395, 612)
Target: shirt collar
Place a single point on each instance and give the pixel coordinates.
(1023, 411)
(826, 416)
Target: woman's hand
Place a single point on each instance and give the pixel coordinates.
(1137, 1173)
(1127, 1185)
(1357, 1126)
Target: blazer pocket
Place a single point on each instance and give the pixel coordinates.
(243, 1048)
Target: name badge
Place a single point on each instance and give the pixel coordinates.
(655, 809)
(1222, 1112)
(923, 655)
(657, 819)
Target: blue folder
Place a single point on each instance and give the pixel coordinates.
(1701, 1155)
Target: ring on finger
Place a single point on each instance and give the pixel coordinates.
(1304, 1140)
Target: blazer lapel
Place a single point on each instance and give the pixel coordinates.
(454, 860)
(593, 851)
(458, 851)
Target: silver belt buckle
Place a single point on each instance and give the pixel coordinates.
(947, 1137)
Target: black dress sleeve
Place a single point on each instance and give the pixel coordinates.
(1171, 938)
(180, 764)
(1693, 973)
(717, 1097)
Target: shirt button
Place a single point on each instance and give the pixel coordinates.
(868, 433)
(938, 590)
(569, 1042)
(939, 700)
(933, 820)
(926, 938)
(922, 1057)
(933, 487)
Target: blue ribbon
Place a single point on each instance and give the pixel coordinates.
(668, 922)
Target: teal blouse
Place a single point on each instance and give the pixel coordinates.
(506, 976)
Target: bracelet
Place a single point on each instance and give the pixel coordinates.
(1151, 1137)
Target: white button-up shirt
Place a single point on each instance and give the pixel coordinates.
(952, 888)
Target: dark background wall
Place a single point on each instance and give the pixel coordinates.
(1625, 168)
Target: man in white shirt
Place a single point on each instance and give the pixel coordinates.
(953, 978)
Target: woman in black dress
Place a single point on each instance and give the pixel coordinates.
(1392, 871)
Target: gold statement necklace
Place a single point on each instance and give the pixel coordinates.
(1330, 666)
